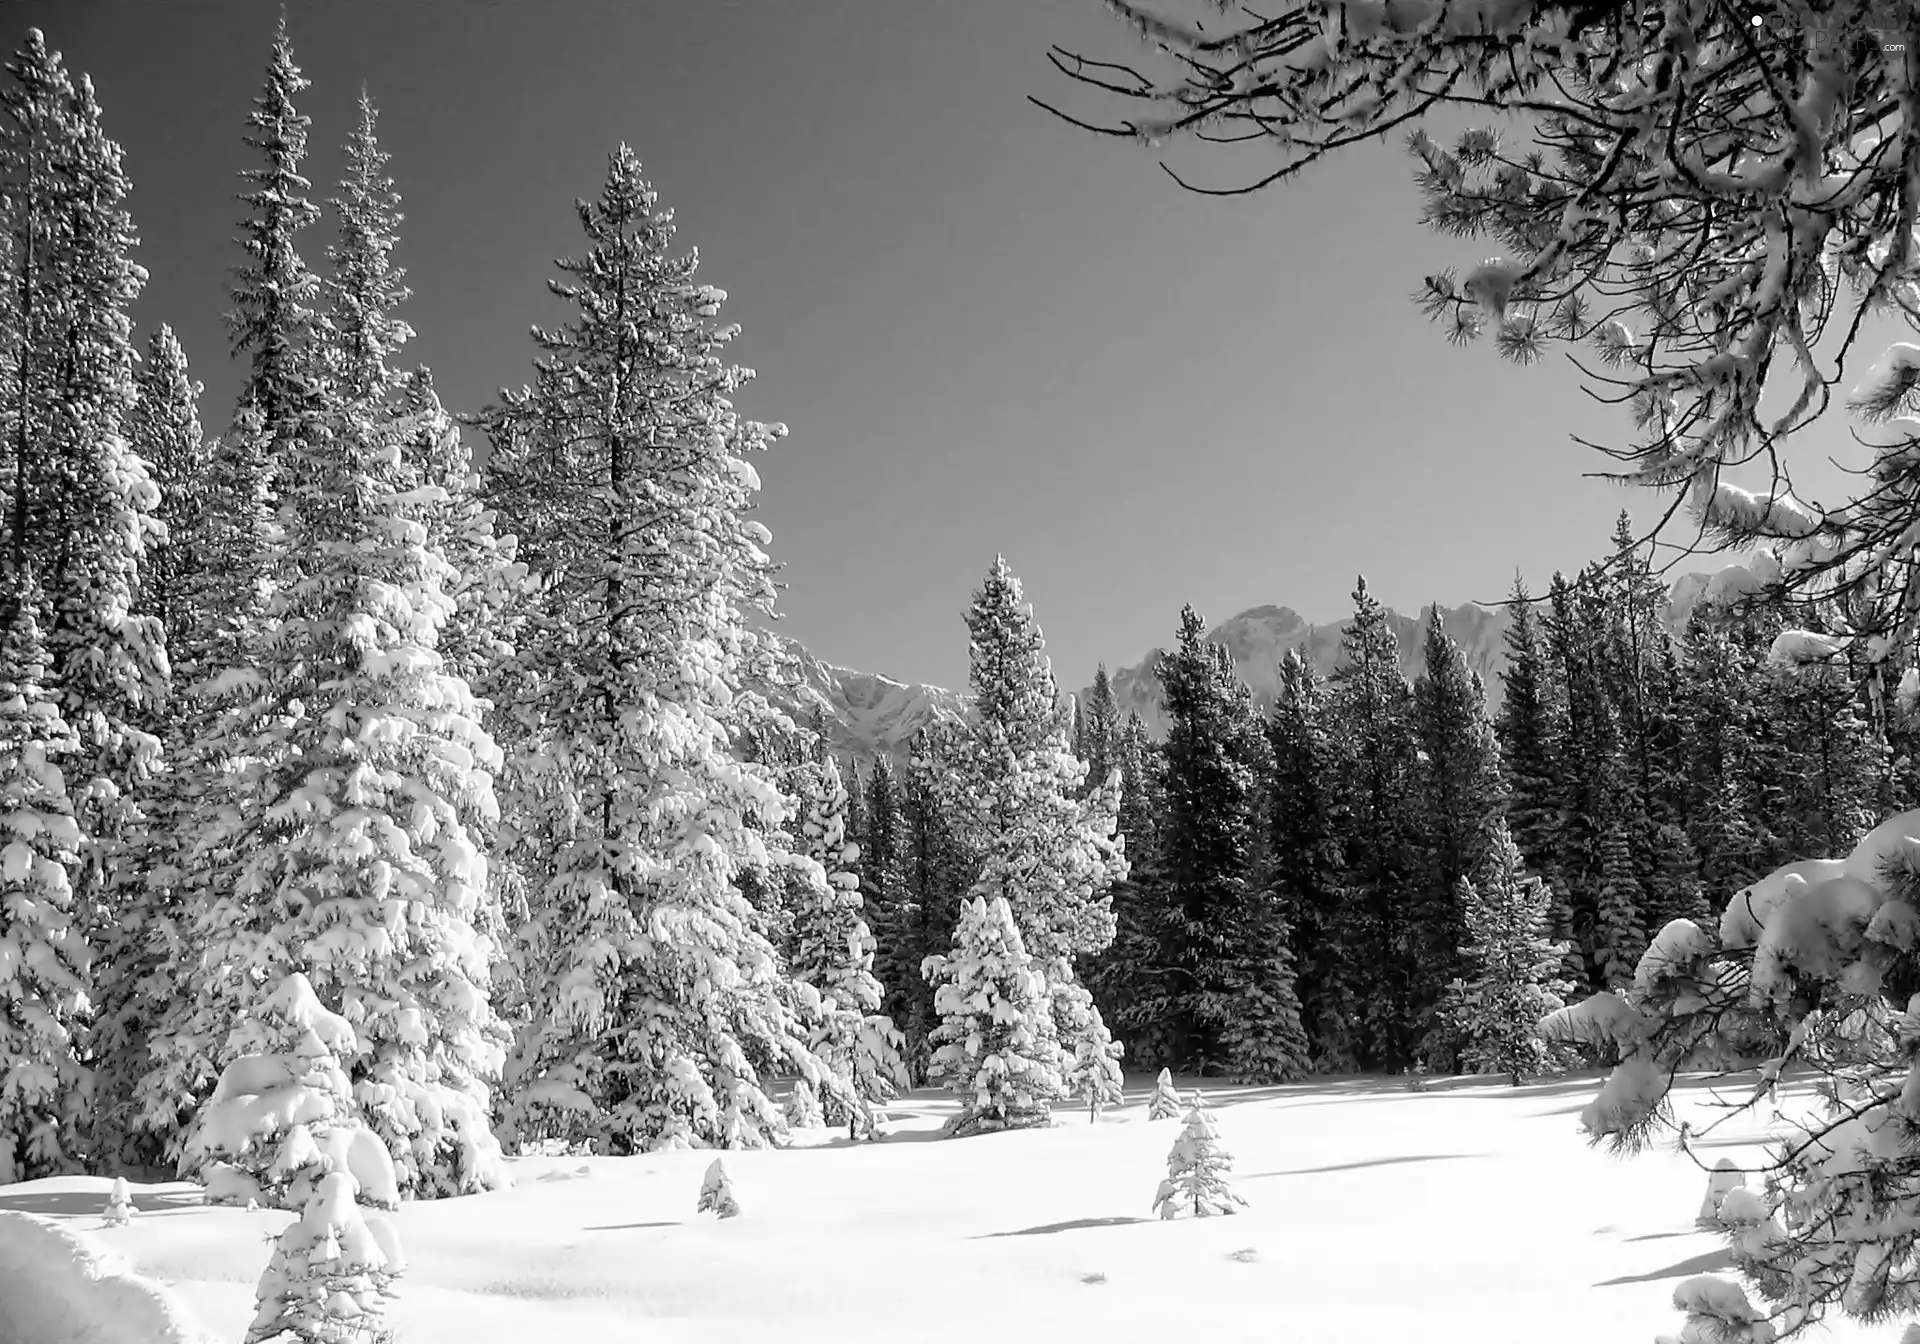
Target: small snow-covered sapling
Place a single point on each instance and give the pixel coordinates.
(716, 1193)
(1164, 1104)
(1197, 1167)
(803, 1106)
(119, 1203)
(331, 1274)
(1722, 1180)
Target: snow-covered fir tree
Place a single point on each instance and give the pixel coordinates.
(1049, 854)
(1513, 969)
(995, 1048)
(331, 1275)
(351, 829)
(655, 999)
(1196, 1184)
(44, 963)
(832, 950)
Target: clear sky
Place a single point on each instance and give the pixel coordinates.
(987, 331)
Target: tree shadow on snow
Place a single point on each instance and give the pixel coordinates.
(1069, 1226)
(627, 1227)
(1709, 1263)
(82, 1204)
(1370, 1162)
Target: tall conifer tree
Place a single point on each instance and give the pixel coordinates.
(1228, 986)
(1303, 859)
(1051, 855)
(656, 999)
(1370, 710)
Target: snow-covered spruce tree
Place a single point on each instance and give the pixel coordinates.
(331, 1274)
(832, 951)
(1050, 855)
(656, 1000)
(1513, 970)
(1196, 1184)
(80, 503)
(1164, 1104)
(995, 1047)
(44, 965)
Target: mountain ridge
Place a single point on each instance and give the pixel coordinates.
(866, 713)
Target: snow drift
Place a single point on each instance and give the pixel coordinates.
(57, 1286)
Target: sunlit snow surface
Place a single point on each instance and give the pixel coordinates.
(1468, 1212)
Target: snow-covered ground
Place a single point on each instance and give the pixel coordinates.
(1470, 1211)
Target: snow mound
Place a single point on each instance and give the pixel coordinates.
(1747, 913)
(59, 1287)
(1890, 850)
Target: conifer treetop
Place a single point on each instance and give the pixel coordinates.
(274, 291)
(366, 286)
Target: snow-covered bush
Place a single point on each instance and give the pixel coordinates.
(1197, 1168)
(716, 1193)
(995, 1047)
(1722, 1181)
(331, 1274)
(282, 1117)
(803, 1106)
(119, 1210)
(1164, 1104)
(1816, 962)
